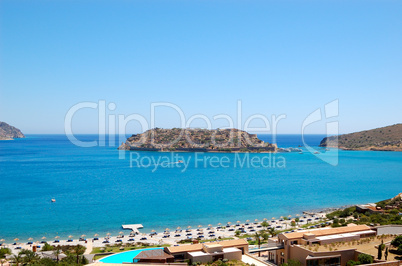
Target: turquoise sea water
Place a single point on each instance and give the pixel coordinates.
(96, 192)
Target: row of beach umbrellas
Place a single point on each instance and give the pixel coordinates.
(44, 237)
(229, 223)
(153, 231)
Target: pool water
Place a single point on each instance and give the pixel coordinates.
(127, 256)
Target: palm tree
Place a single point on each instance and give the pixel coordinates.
(79, 250)
(17, 259)
(265, 224)
(265, 235)
(30, 256)
(272, 232)
(258, 239)
(57, 252)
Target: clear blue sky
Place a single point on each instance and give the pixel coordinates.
(277, 57)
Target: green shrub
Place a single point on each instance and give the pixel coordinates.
(352, 263)
(294, 263)
(4, 252)
(365, 259)
(397, 242)
(47, 247)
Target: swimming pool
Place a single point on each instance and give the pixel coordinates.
(127, 256)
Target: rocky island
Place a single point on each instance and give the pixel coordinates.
(380, 139)
(190, 140)
(8, 132)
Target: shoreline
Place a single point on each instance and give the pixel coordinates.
(321, 212)
(210, 233)
(148, 229)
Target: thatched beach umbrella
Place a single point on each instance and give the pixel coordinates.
(256, 220)
(265, 219)
(188, 227)
(153, 231)
(219, 224)
(289, 216)
(83, 236)
(2, 240)
(56, 237)
(178, 228)
(30, 239)
(95, 235)
(121, 232)
(273, 218)
(16, 239)
(70, 236)
(43, 237)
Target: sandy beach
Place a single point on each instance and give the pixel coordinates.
(172, 236)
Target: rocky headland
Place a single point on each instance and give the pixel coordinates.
(380, 139)
(8, 132)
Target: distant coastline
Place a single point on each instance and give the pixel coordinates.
(380, 139)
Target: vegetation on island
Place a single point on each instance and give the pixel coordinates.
(380, 139)
(178, 139)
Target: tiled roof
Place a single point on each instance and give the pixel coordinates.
(198, 247)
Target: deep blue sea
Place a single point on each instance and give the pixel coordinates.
(97, 192)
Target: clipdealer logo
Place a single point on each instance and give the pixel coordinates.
(111, 125)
